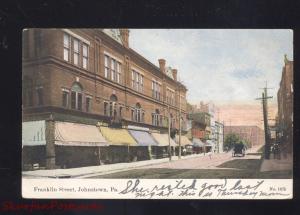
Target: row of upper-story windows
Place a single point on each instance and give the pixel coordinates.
(112, 69)
(74, 99)
(170, 96)
(156, 90)
(137, 81)
(76, 51)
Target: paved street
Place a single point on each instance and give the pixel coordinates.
(215, 166)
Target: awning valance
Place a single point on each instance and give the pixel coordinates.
(33, 133)
(197, 142)
(143, 138)
(184, 140)
(74, 134)
(162, 139)
(117, 136)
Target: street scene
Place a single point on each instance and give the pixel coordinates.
(157, 103)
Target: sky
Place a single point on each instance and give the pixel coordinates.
(221, 66)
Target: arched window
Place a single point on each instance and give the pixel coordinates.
(156, 118)
(27, 92)
(138, 112)
(76, 96)
(110, 108)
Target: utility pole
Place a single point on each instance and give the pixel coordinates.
(179, 152)
(169, 133)
(265, 117)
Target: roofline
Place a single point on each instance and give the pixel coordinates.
(143, 59)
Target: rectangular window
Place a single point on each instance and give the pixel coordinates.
(118, 72)
(105, 108)
(79, 102)
(132, 115)
(40, 96)
(120, 112)
(73, 100)
(132, 80)
(106, 66)
(66, 47)
(76, 51)
(88, 101)
(85, 54)
(136, 81)
(65, 99)
(111, 108)
(113, 69)
(141, 83)
(156, 90)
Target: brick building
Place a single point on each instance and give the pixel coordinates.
(92, 75)
(253, 134)
(285, 98)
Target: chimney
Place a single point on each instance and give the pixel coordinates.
(162, 64)
(125, 37)
(174, 72)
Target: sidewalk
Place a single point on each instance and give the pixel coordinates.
(83, 172)
(277, 165)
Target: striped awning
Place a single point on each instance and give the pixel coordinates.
(197, 142)
(143, 138)
(74, 134)
(117, 136)
(33, 133)
(184, 140)
(162, 139)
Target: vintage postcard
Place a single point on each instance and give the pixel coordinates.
(157, 113)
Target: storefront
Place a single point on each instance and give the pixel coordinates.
(33, 144)
(198, 146)
(78, 145)
(145, 144)
(162, 149)
(184, 142)
(122, 146)
(209, 146)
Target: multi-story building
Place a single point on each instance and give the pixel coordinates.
(253, 134)
(285, 98)
(219, 136)
(210, 109)
(92, 75)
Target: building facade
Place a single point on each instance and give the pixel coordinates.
(253, 134)
(92, 75)
(285, 98)
(219, 136)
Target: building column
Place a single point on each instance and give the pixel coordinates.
(50, 146)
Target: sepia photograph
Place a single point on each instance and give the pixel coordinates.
(157, 113)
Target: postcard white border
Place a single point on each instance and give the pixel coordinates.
(112, 188)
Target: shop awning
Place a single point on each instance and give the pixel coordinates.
(74, 134)
(197, 142)
(162, 139)
(117, 136)
(143, 138)
(184, 140)
(33, 133)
